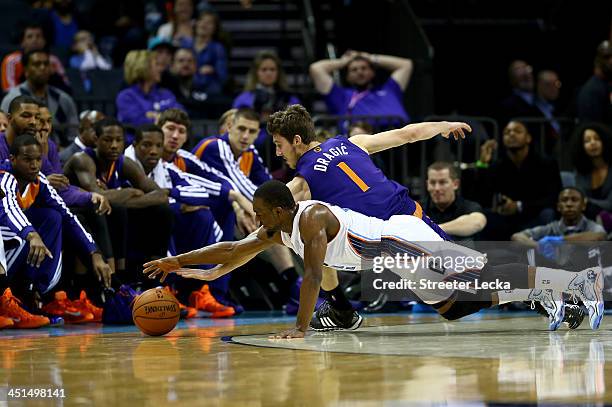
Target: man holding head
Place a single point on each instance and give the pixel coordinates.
(362, 96)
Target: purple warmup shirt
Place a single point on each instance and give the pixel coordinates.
(133, 104)
(114, 178)
(342, 174)
(385, 100)
(72, 195)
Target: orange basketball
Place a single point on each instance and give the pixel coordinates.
(156, 312)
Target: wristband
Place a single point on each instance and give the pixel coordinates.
(480, 164)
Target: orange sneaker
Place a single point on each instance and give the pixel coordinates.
(83, 304)
(10, 308)
(186, 312)
(63, 307)
(203, 300)
(6, 322)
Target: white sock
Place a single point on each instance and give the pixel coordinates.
(554, 279)
(518, 294)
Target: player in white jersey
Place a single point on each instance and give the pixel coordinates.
(327, 235)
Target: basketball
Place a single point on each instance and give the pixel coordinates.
(156, 312)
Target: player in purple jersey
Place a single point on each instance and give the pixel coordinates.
(340, 171)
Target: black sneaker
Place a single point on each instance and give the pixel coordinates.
(326, 318)
(574, 314)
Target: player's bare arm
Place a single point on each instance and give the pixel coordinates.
(299, 189)
(153, 195)
(374, 143)
(218, 253)
(317, 226)
(84, 169)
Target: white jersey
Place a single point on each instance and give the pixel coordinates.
(359, 238)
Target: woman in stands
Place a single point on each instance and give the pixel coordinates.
(180, 29)
(143, 101)
(211, 55)
(592, 152)
(266, 90)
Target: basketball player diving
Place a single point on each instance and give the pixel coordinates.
(323, 234)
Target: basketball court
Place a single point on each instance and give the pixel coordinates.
(400, 359)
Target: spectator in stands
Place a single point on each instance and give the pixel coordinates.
(3, 121)
(87, 135)
(592, 152)
(524, 184)
(548, 90)
(211, 56)
(266, 90)
(179, 30)
(362, 96)
(37, 72)
(572, 227)
(164, 52)
(185, 84)
(86, 55)
(595, 96)
(460, 218)
(32, 37)
(143, 100)
(64, 23)
(523, 102)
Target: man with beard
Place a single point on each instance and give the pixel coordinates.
(37, 72)
(362, 96)
(523, 184)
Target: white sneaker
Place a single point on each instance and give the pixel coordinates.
(552, 303)
(588, 286)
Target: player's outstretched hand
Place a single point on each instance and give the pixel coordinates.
(163, 266)
(293, 333)
(457, 129)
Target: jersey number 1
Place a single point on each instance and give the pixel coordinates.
(354, 177)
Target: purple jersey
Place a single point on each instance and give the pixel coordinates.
(342, 174)
(113, 179)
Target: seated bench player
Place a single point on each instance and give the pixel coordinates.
(34, 218)
(132, 194)
(190, 201)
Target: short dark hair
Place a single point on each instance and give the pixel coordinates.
(360, 58)
(275, 194)
(25, 59)
(147, 128)
(29, 25)
(177, 116)
(23, 140)
(442, 165)
(106, 122)
(580, 191)
(247, 113)
(295, 119)
(21, 100)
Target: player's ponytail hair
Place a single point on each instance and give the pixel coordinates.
(294, 120)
